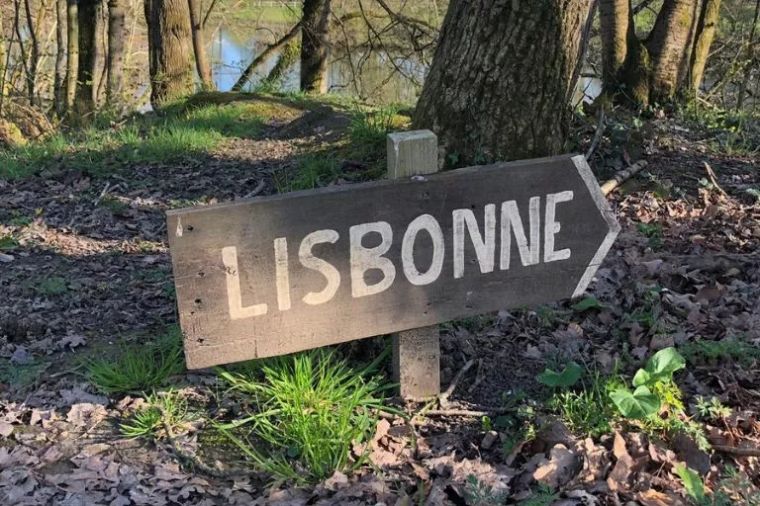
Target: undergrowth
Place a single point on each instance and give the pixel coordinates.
(138, 368)
(306, 412)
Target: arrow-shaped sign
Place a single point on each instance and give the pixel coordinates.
(279, 274)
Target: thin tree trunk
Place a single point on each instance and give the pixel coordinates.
(35, 53)
(314, 45)
(169, 50)
(502, 79)
(100, 52)
(84, 100)
(288, 56)
(261, 58)
(59, 84)
(669, 46)
(625, 61)
(115, 63)
(3, 63)
(72, 53)
(708, 21)
(202, 64)
(750, 59)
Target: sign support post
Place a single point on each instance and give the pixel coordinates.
(416, 352)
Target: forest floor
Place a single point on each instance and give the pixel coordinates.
(85, 273)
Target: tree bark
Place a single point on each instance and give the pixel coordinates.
(202, 64)
(115, 62)
(502, 79)
(708, 22)
(669, 45)
(314, 45)
(59, 83)
(34, 59)
(100, 52)
(169, 52)
(266, 53)
(72, 53)
(84, 99)
(3, 63)
(625, 61)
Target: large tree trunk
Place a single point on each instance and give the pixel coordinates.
(625, 61)
(202, 64)
(169, 53)
(84, 100)
(314, 45)
(59, 84)
(501, 82)
(115, 63)
(72, 52)
(669, 45)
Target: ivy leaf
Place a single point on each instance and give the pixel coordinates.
(567, 378)
(587, 303)
(637, 404)
(660, 367)
(691, 481)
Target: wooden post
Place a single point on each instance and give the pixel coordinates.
(416, 352)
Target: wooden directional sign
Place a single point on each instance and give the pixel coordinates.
(275, 275)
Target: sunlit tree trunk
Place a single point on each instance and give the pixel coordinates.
(708, 22)
(202, 64)
(34, 57)
(314, 45)
(72, 52)
(115, 62)
(750, 60)
(502, 79)
(669, 45)
(84, 100)
(3, 62)
(59, 83)
(625, 61)
(169, 50)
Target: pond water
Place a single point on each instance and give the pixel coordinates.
(381, 78)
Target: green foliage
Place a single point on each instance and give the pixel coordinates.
(653, 231)
(654, 385)
(52, 286)
(8, 242)
(162, 409)
(308, 409)
(138, 368)
(20, 376)
(369, 128)
(543, 495)
(477, 493)
(712, 409)
(178, 134)
(691, 482)
(733, 349)
(587, 303)
(587, 411)
(313, 172)
(565, 379)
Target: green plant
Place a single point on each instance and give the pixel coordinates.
(653, 231)
(587, 303)
(565, 379)
(587, 411)
(477, 493)
(163, 409)
(138, 368)
(731, 349)
(52, 286)
(308, 410)
(712, 409)
(653, 385)
(692, 483)
(543, 495)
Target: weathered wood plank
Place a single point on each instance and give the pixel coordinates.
(337, 308)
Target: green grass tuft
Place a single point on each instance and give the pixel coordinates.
(138, 368)
(308, 410)
(165, 408)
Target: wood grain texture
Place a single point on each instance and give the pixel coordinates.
(198, 235)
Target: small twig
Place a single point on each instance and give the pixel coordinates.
(256, 191)
(443, 399)
(478, 376)
(597, 135)
(742, 452)
(714, 179)
(622, 176)
(190, 458)
(103, 193)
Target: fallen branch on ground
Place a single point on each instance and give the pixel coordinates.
(443, 399)
(622, 176)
